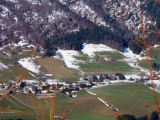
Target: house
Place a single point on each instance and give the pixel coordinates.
(85, 85)
(75, 85)
(26, 90)
(103, 57)
(93, 78)
(112, 77)
(113, 60)
(107, 82)
(120, 76)
(44, 84)
(143, 58)
(61, 88)
(44, 91)
(67, 83)
(101, 78)
(33, 89)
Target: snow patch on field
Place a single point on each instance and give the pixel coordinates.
(68, 58)
(157, 82)
(130, 56)
(133, 76)
(3, 66)
(74, 96)
(29, 65)
(121, 81)
(48, 75)
(91, 92)
(98, 86)
(103, 102)
(132, 60)
(90, 49)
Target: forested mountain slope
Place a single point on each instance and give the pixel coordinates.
(69, 23)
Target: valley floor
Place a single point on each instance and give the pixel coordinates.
(100, 101)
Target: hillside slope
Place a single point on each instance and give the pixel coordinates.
(39, 20)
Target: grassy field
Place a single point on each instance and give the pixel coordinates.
(106, 67)
(155, 55)
(126, 99)
(85, 107)
(6, 61)
(125, 96)
(32, 101)
(144, 64)
(84, 116)
(93, 65)
(9, 103)
(113, 55)
(12, 72)
(57, 68)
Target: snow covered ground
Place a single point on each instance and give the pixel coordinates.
(29, 65)
(68, 58)
(130, 55)
(157, 82)
(49, 75)
(90, 49)
(103, 102)
(133, 76)
(121, 81)
(3, 66)
(91, 92)
(132, 60)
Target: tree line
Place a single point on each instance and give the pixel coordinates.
(154, 116)
(74, 41)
